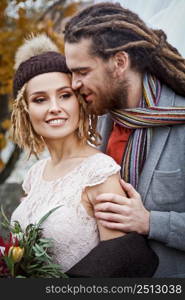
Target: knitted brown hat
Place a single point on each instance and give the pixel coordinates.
(37, 56)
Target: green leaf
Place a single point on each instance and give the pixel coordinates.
(47, 215)
(6, 221)
(10, 264)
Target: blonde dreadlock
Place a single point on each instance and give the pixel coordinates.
(22, 130)
(113, 28)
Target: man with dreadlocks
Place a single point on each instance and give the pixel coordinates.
(123, 67)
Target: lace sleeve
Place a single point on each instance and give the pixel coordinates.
(31, 175)
(27, 181)
(100, 168)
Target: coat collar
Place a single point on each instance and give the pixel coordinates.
(105, 125)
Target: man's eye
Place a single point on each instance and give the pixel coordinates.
(83, 73)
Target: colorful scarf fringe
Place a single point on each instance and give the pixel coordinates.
(142, 120)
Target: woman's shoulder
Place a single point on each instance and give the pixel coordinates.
(35, 169)
(102, 159)
(33, 174)
(98, 167)
(38, 164)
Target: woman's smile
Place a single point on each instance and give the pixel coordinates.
(57, 122)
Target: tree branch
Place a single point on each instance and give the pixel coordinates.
(10, 165)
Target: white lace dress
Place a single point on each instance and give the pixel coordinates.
(73, 231)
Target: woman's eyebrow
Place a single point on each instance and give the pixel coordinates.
(43, 92)
(63, 88)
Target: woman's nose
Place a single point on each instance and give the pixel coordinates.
(55, 107)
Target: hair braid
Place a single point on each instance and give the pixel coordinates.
(113, 28)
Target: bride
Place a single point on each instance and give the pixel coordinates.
(48, 113)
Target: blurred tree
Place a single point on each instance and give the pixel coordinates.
(17, 19)
(12, 31)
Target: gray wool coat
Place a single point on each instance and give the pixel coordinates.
(162, 188)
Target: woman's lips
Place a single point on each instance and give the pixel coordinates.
(56, 122)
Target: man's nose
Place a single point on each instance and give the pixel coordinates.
(76, 83)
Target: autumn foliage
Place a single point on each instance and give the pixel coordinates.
(16, 24)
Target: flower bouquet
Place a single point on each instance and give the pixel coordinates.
(26, 253)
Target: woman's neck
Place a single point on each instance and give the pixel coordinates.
(67, 148)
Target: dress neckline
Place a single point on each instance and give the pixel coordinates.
(68, 173)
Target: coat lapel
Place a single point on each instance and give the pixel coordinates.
(104, 127)
(157, 146)
(158, 143)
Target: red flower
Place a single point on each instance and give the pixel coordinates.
(4, 272)
(13, 241)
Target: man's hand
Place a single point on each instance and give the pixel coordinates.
(122, 213)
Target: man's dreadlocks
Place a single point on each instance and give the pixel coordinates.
(112, 28)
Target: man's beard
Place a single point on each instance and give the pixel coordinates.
(115, 98)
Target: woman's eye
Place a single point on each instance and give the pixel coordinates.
(65, 96)
(39, 100)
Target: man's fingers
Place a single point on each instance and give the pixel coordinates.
(109, 197)
(129, 189)
(113, 225)
(111, 217)
(112, 207)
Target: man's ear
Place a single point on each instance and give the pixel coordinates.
(121, 62)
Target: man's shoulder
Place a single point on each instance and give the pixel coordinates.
(170, 98)
(179, 100)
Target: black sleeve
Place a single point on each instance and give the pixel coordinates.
(126, 256)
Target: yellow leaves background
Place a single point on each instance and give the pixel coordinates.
(14, 28)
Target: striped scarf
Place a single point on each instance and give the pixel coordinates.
(142, 119)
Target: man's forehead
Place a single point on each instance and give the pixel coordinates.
(77, 55)
(78, 47)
